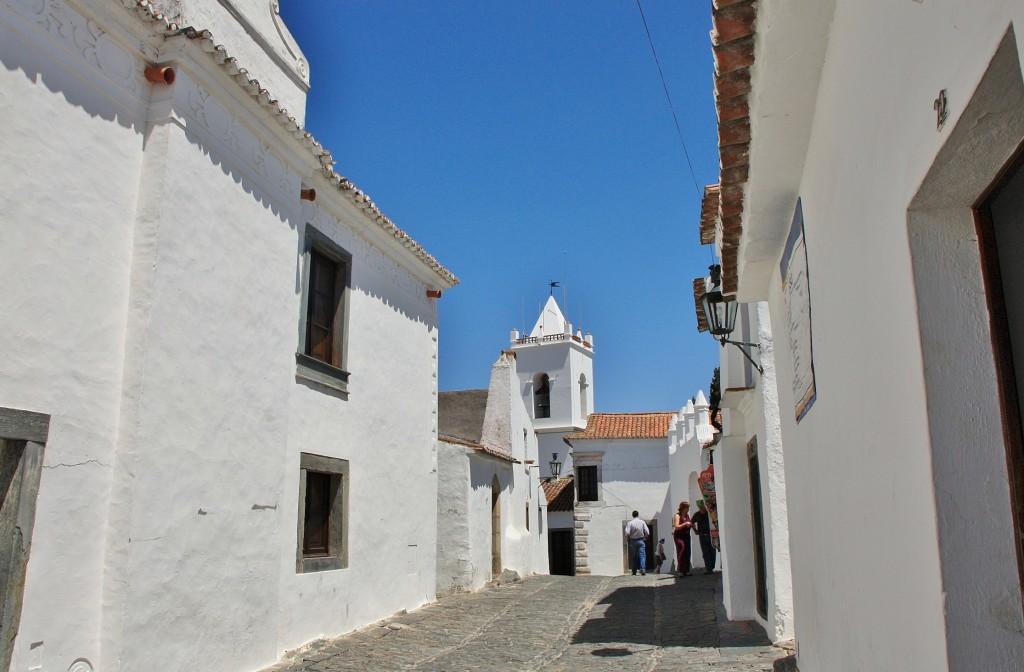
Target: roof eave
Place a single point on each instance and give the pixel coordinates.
(147, 13)
(768, 60)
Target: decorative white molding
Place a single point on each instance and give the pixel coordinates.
(87, 42)
(291, 62)
(249, 152)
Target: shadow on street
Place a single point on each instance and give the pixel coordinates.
(671, 613)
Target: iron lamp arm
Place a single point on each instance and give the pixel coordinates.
(741, 346)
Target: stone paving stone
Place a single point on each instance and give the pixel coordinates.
(652, 623)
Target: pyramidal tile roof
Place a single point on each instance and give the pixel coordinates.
(625, 426)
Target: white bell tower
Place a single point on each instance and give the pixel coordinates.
(556, 377)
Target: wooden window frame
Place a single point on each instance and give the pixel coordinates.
(321, 489)
(335, 554)
(331, 372)
(23, 437)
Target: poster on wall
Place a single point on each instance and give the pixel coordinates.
(797, 296)
(706, 481)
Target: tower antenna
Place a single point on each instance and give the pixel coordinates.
(565, 279)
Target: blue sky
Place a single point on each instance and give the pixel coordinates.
(527, 142)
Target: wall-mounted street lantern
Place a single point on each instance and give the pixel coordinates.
(721, 316)
(556, 466)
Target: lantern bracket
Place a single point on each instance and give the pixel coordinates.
(742, 348)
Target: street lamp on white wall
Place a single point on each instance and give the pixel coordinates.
(556, 466)
(721, 316)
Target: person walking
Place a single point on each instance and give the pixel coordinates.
(659, 556)
(702, 526)
(637, 533)
(681, 536)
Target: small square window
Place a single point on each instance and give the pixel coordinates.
(326, 273)
(323, 514)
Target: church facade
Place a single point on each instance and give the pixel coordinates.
(217, 351)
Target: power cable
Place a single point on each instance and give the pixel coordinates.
(672, 107)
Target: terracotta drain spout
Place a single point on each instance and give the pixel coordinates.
(160, 74)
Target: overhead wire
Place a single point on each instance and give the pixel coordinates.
(668, 97)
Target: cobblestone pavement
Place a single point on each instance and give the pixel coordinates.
(556, 623)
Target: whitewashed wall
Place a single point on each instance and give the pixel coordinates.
(690, 431)
(886, 343)
(465, 493)
(634, 476)
(454, 571)
(153, 310)
(752, 414)
(65, 251)
(563, 361)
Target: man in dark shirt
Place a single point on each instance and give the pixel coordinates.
(702, 526)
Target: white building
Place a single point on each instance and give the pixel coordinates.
(490, 508)
(556, 376)
(691, 442)
(213, 380)
(620, 465)
(750, 481)
(870, 198)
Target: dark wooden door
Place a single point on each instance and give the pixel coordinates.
(757, 523)
(561, 558)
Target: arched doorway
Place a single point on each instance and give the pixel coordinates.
(495, 526)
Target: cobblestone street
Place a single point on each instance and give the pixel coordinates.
(553, 623)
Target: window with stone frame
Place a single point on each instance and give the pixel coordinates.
(587, 484)
(323, 514)
(326, 277)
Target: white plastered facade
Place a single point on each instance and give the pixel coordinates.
(567, 359)
(690, 441)
(901, 340)
(750, 431)
(152, 239)
(466, 475)
(633, 474)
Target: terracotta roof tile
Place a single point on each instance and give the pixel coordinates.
(625, 426)
(709, 214)
(698, 294)
(732, 44)
(560, 494)
(480, 448)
